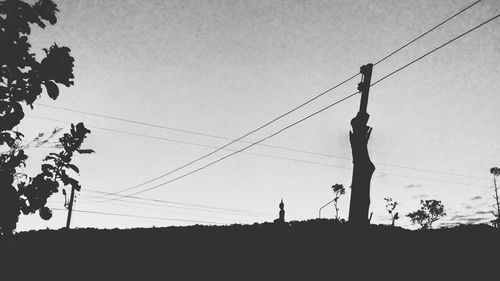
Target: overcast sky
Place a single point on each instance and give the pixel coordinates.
(226, 67)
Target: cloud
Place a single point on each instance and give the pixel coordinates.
(447, 224)
(421, 196)
(458, 217)
(462, 219)
(469, 217)
(474, 220)
(413, 186)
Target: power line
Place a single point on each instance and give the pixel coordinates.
(243, 212)
(179, 207)
(226, 138)
(294, 109)
(123, 132)
(218, 149)
(275, 157)
(148, 206)
(141, 217)
(235, 152)
(323, 109)
(181, 203)
(280, 158)
(191, 143)
(262, 154)
(435, 49)
(165, 208)
(239, 138)
(427, 32)
(245, 135)
(207, 145)
(206, 208)
(140, 203)
(251, 212)
(132, 121)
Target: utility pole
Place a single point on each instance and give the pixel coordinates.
(496, 172)
(363, 167)
(70, 206)
(496, 194)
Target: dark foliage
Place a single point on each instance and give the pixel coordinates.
(430, 212)
(21, 79)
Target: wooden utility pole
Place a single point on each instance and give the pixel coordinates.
(496, 172)
(70, 206)
(363, 167)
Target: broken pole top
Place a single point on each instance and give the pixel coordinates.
(364, 86)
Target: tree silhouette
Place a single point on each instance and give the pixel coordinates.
(430, 212)
(338, 190)
(495, 171)
(390, 206)
(21, 79)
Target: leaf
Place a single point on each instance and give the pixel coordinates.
(74, 184)
(45, 213)
(74, 168)
(52, 89)
(40, 24)
(85, 151)
(47, 168)
(50, 158)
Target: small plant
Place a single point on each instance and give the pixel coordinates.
(430, 212)
(390, 206)
(338, 190)
(56, 172)
(495, 171)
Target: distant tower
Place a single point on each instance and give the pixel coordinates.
(282, 213)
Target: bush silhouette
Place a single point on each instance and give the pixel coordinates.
(430, 212)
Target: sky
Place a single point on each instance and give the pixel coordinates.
(224, 68)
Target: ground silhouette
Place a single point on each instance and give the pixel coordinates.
(307, 250)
